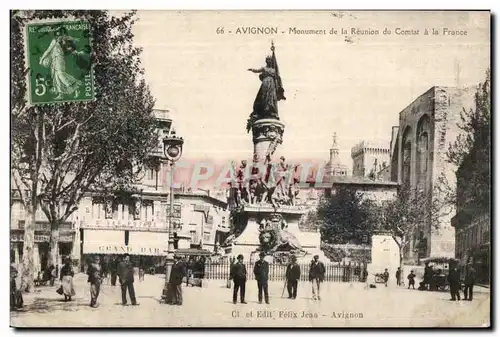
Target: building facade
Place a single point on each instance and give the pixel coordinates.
(426, 128)
(472, 225)
(134, 222)
(371, 159)
(67, 235)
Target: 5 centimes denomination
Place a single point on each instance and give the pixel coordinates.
(59, 58)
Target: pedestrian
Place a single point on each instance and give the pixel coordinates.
(469, 281)
(261, 272)
(53, 274)
(95, 274)
(398, 277)
(411, 280)
(126, 277)
(428, 275)
(292, 277)
(454, 281)
(67, 273)
(174, 290)
(386, 276)
(239, 276)
(114, 271)
(16, 296)
(316, 276)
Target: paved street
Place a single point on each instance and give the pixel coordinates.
(211, 306)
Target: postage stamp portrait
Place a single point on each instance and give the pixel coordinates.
(59, 58)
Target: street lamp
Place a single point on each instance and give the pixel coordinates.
(172, 148)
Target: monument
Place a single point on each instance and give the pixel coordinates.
(264, 194)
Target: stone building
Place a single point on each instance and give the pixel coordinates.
(371, 159)
(67, 234)
(419, 144)
(376, 190)
(134, 222)
(472, 225)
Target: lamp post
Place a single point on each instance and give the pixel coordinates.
(172, 148)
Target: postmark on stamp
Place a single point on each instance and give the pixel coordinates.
(59, 58)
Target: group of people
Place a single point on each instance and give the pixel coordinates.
(431, 276)
(238, 275)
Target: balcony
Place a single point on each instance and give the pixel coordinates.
(133, 225)
(44, 226)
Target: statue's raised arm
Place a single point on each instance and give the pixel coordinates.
(271, 91)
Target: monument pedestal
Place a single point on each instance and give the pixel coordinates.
(248, 242)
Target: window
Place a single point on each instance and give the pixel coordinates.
(97, 209)
(148, 207)
(193, 237)
(150, 173)
(206, 237)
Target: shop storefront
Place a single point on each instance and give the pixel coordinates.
(41, 248)
(147, 249)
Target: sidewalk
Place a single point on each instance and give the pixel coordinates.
(342, 305)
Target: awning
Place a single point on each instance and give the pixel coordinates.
(113, 242)
(118, 249)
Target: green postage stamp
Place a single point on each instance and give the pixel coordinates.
(59, 58)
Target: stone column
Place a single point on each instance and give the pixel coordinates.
(267, 135)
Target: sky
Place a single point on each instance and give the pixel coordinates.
(355, 89)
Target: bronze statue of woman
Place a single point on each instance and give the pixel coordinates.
(266, 101)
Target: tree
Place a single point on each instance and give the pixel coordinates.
(471, 151)
(409, 213)
(346, 217)
(61, 152)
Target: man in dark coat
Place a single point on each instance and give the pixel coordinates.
(16, 296)
(454, 280)
(94, 273)
(174, 283)
(428, 275)
(261, 272)
(239, 276)
(292, 277)
(469, 281)
(316, 275)
(126, 277)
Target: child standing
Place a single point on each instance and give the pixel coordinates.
(411, 280)
(386, 276)
(398, 277)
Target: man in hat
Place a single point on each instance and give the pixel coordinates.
(261, 272)
(469, 281)
(126, 278)
(239, 276)
(454, 281)
(176, 275)
(292, 277)
(316, 275)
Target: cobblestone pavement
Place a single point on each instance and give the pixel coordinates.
(342, 305)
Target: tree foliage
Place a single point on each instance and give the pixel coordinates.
(346, 217)
(62, 151)
(471, 151)
(411, 212)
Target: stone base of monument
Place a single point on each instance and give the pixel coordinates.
(248, 242)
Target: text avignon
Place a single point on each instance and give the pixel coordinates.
(257, 30)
